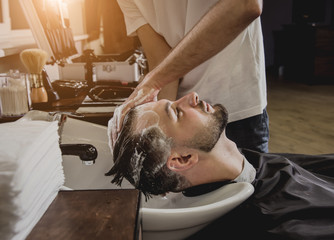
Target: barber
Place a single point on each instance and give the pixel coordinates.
(213, 47)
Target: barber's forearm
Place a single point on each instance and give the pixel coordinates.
(218, 28)
(156, 49)
(169, 91)
(155, 46)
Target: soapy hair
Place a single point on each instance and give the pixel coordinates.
(140, 157)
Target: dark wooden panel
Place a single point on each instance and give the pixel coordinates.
(91, 214)
(325, 41)
(306, 52)
(324, 66)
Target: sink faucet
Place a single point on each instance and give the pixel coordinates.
(86, 152)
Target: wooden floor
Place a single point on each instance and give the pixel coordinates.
(301, 117)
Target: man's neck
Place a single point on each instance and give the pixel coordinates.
(228, 158)
(223, 163)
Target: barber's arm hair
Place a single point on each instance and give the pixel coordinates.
(214, 31)
(156, 49)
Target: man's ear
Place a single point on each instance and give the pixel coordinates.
(180, 162)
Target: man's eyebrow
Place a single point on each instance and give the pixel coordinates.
(167, 106)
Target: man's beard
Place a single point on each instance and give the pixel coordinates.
(207, 137)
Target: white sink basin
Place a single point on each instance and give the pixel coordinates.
(78, 176)
(171, 217)
(177, 217)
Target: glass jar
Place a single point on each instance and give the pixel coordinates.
(14, 94)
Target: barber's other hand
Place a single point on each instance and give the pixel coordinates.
(142, 94)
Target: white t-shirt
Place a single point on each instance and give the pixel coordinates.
(235, 77)
(247, 174)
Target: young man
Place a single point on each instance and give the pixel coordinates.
(172, 146)
(213, 47)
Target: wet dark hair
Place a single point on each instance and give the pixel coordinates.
(141, 159)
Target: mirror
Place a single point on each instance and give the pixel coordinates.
(4, 17)
(106, 27)
(52, 34)
(1, 20)
(12, 20)
(99, 24)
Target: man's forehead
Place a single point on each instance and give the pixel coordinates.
(146, 116)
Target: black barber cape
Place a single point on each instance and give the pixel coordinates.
(293, 199)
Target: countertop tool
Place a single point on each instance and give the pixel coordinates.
(34, 61)
(52, 94)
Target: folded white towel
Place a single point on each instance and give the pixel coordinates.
(96, 109)
(31, 174)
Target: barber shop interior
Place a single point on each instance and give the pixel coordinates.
(166, 119)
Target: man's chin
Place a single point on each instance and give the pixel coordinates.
(221, 115)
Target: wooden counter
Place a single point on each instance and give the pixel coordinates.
(67, 105)
(91, 214)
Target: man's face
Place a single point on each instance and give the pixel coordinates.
(188, 121)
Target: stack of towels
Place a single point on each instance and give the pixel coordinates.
(31, 174)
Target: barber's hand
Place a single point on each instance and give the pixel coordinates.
(142, 94)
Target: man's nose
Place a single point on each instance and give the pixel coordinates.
(191, 99)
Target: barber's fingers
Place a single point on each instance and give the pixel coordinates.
(112, 127)
(111, 132)
(138, 97)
